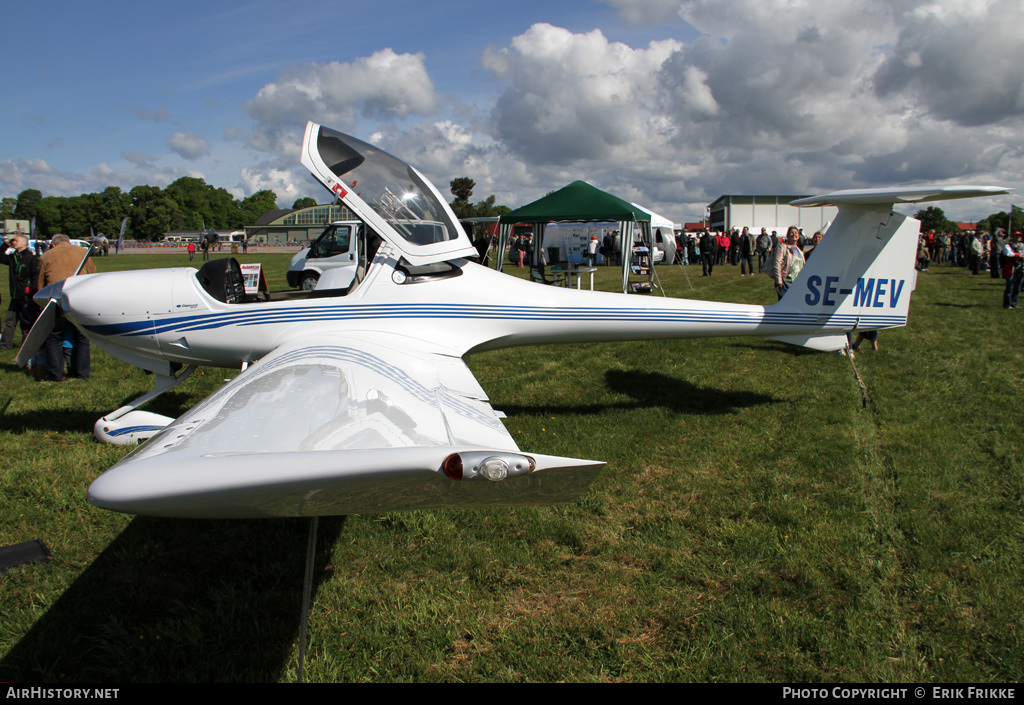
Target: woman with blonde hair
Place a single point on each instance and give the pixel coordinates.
(787, 261)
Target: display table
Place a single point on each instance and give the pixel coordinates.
(566, 276)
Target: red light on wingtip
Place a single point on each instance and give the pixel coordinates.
(452, 466)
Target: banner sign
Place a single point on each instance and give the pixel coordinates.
(255, 282)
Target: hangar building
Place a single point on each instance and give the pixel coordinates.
(295, 227)
(769, 212)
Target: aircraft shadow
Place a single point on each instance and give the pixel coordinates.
(651, 390)
(777, 346)
(172, 404)
(174, 600)
(69, 420)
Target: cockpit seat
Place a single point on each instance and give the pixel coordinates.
(222, 279)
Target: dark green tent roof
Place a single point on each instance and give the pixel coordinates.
(579, 202)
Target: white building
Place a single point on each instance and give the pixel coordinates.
(769, 212)
(16, 227)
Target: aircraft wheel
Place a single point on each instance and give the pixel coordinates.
(308, 281)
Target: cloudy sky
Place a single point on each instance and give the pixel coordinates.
(668, 103)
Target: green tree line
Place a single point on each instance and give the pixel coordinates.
(933, 218)
(186, 204)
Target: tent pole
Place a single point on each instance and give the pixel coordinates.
(626, 247)
(504, 230)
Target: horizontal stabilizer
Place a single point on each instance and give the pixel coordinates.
(888, 197)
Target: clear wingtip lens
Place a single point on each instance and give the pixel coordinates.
(494, 469)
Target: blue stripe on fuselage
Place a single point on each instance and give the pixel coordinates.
(213, 320)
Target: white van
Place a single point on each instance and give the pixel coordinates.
(664, 245)
(335, 248)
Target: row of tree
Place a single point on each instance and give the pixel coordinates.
(187, 204)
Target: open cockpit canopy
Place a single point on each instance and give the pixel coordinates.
(391, 196)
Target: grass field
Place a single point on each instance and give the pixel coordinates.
(757, 521)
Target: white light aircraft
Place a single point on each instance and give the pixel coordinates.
(360, 400)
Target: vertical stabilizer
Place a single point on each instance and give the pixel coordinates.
(862, 273)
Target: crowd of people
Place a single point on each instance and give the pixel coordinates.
(783, 258)
(977, 251)
(521, 249)
(741, 247)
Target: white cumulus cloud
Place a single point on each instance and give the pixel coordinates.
(788, 97)
(573, 96)
(188, 145)
(382, 85)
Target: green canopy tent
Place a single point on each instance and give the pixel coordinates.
(579, 202)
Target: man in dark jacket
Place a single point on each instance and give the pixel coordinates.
(748, 248)
(23, 267)
(734, 247)
(995, 253)
(205, 243)
(708, 253)
(765, 242)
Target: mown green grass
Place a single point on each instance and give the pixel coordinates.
(756, 521)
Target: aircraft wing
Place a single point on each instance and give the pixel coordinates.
(337, 425)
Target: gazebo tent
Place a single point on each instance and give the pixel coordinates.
(579, 202)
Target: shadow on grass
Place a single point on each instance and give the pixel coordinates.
(173, 600)
(652, 389)
(172, 404)
(655, 390)
(67, 420)
(778, 346)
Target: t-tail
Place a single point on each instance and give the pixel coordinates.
(862, 273)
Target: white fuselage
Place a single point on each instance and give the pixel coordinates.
(166, 316)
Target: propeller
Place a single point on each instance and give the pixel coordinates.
(54, 297)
